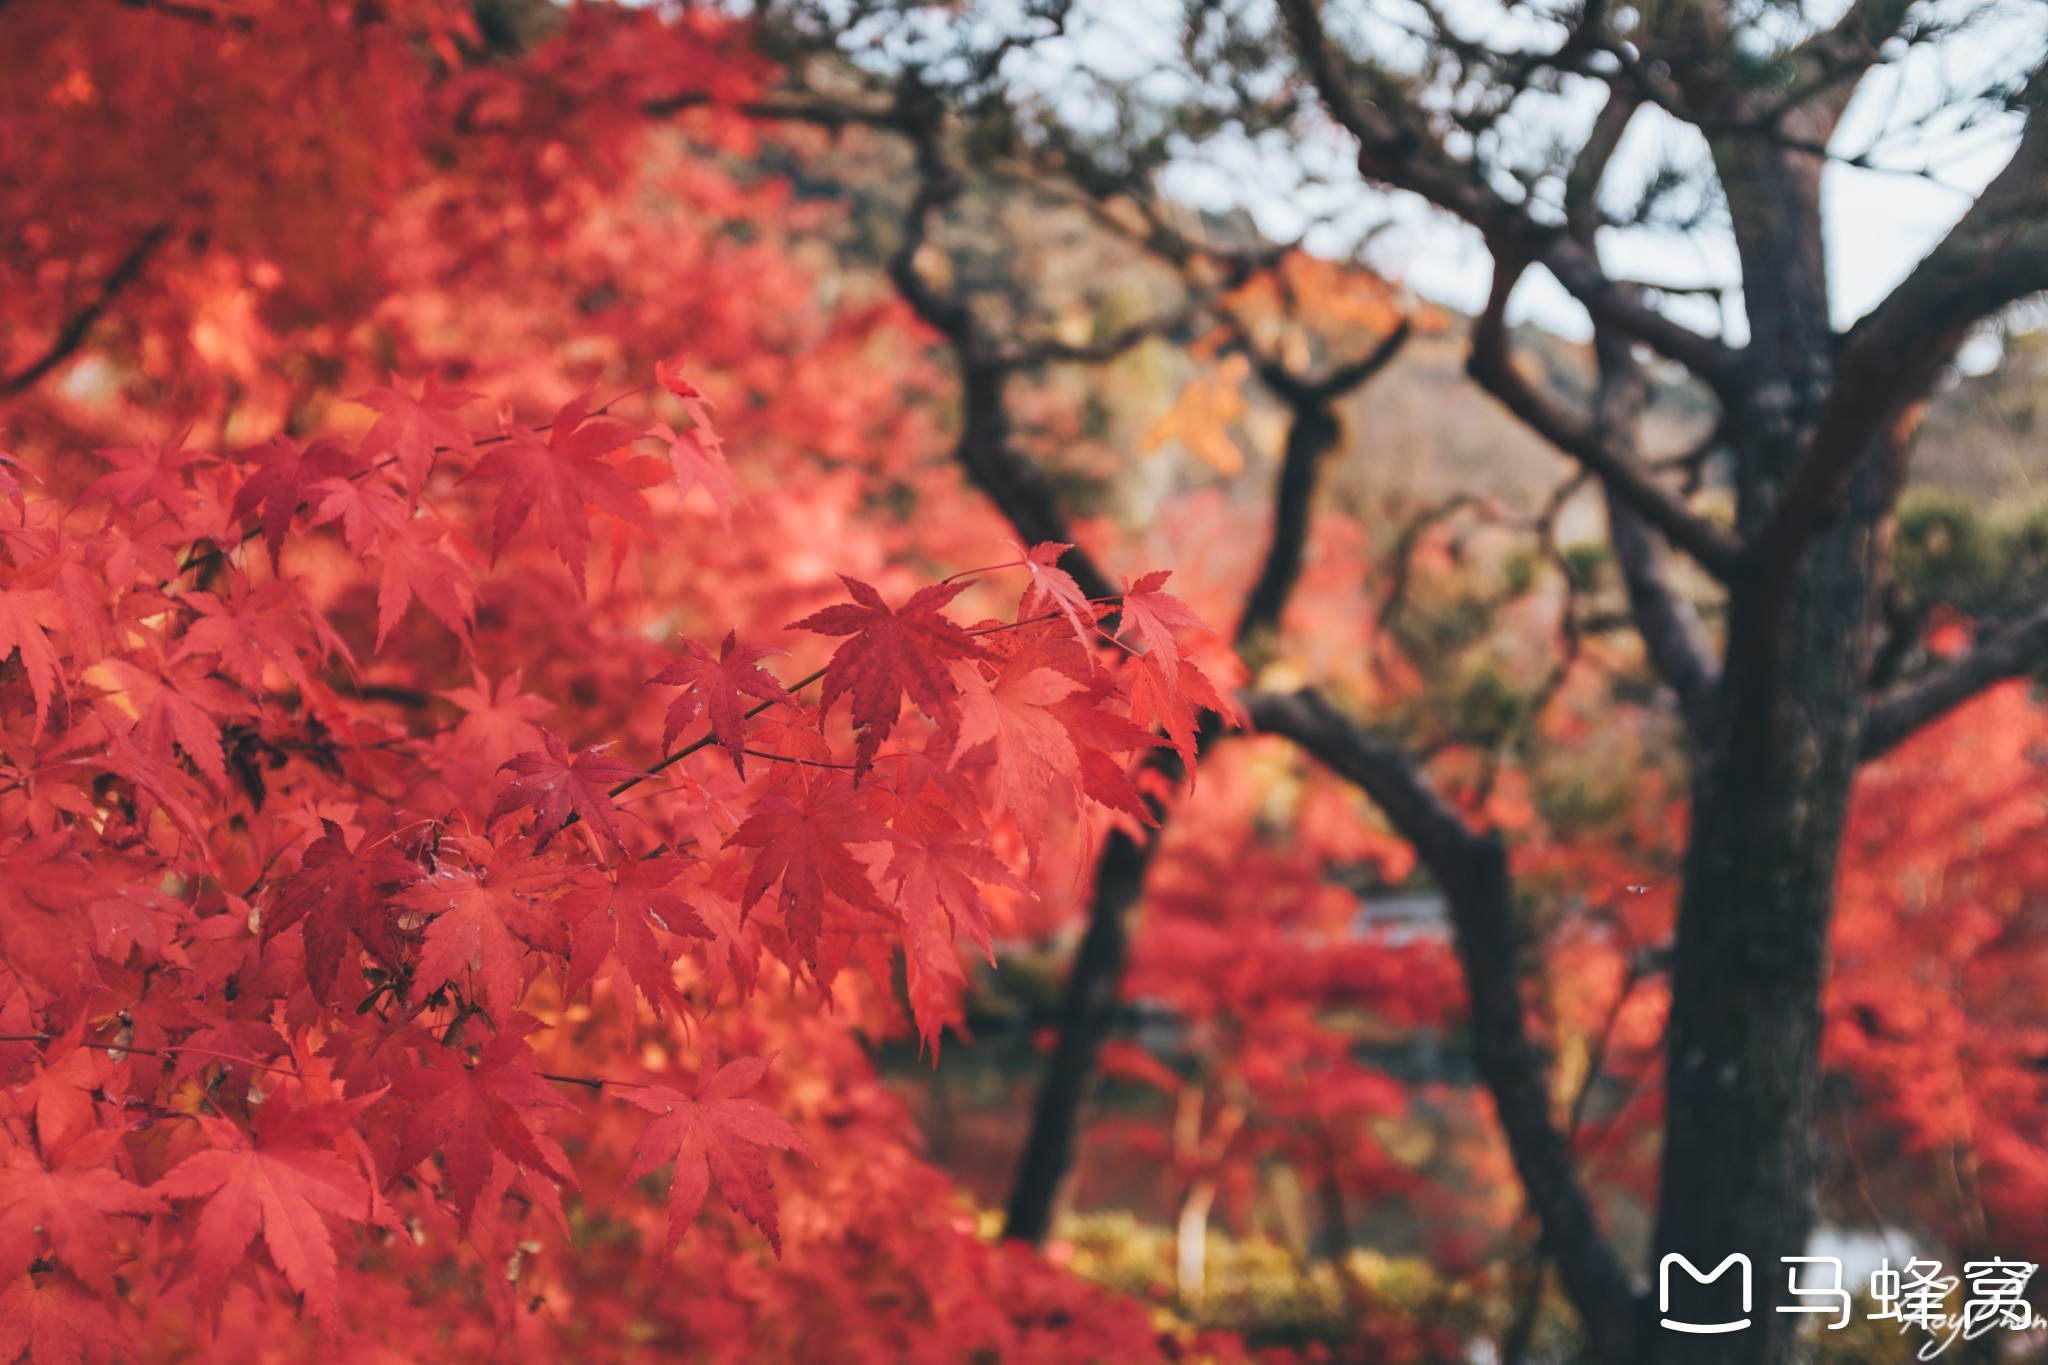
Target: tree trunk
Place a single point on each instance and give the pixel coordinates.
(1087, 1010)
(1770, 790)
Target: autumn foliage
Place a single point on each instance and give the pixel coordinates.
(504, 697)
(434, 802)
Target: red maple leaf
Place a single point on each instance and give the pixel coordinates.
(340, 891)
(1172, 703)
(622, 920)
(1099, 734)
(938, 866)
(498, 721)
(1055, 587)
(415, 562)
(803, 844)
(150, 472)
(281, 1178)
(284, 478)
(60, 1091)
(410, 428)
(255, 626)
(180, 705)
(364, 507)
(696, 453)
(483, 920)
(23, 611)
(68, 1204)
(42, 938)
(713, 1135)
(698, 458)
(559, 477)
(714, 687)
(475, 1114)
(1153, 615)
(561, 789)
(1015, 714)
(891, 653)
(53, 1321)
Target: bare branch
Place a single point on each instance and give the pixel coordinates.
(197, 14)
(1597, 449)
(1673, 638)
(2013, 651)
(1827, 66)
(73, 333)
(1395, 155)
(793, 108)
(1044, 350)
(1589, 168)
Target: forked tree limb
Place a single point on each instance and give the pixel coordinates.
(1394, 154)
(1995, 256)
(1312, 432)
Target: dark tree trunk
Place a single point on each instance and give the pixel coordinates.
(1087, 1011)
(1770, 789)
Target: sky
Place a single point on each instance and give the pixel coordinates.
(1880, 219)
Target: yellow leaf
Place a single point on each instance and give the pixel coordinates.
(1200, 418)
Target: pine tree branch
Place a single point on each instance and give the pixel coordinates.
(1896, 714)
(1397, 154)
(1599, 450)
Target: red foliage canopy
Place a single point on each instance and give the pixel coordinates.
(342, 939)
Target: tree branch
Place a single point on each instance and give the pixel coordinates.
(1897, 713)
(1472, 870)
(1404, 158)
(1046, 350)
(1828, 66)
(1997, 255)
(1011, 481)
(1598, 450)
(1674, 639)
(819, 112)
(73, 333)
(1311, 433)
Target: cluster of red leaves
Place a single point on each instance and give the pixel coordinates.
(1935, 1011)
(1260, 954)
(273, 970)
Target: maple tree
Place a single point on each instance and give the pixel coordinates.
(504, 694)
(362, 909)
